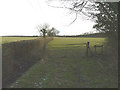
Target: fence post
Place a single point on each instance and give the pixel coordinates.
(100, 46)
(95, 49)
(102, 49)
(87, 47)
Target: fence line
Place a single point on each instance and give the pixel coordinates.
(88, 50)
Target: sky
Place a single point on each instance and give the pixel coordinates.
(20, 17)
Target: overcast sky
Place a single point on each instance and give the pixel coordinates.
(20, 17)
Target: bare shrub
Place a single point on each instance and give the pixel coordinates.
(20, 56)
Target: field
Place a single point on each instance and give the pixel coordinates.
(14, 39)
(66, 65)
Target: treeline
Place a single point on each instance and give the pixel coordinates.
(93, 35)
(23, 36)
(86, 35)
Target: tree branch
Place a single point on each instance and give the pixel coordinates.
(74, 19)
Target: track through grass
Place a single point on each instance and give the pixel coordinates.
(66, 66)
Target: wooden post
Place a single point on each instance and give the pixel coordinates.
(99, 46)
(102, 49)
(87, 48)
(95, 49)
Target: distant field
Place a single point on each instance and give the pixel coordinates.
(70, 42)
(0, 41)
(14, 39)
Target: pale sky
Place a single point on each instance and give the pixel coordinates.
(20, 17)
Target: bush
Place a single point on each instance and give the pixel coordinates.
(20, 56)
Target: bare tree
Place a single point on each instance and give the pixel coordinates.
(78, 7)
(52, 32)
(43, 29)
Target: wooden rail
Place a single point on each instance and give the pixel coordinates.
(98, 46)
(88, 50)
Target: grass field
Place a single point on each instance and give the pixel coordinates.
(66, 66)
(14, 39)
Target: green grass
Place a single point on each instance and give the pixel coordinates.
(0, 41)
(65, 42)
(14, 39)
(67, 66)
